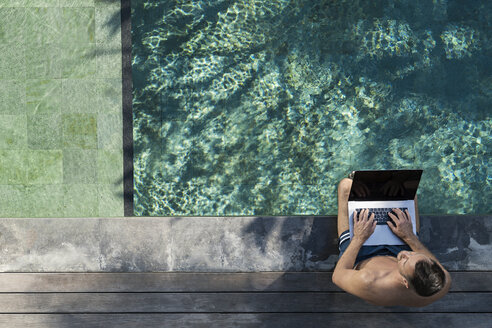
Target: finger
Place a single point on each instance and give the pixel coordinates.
(391, 225)
(361, 214)
(358, 215)
(408, 215)
(399, 213)
(393, 217)
(371, 227)
(404, 215)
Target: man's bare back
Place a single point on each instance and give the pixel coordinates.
(383, 280)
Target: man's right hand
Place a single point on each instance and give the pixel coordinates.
(402, 224)
(364, 225)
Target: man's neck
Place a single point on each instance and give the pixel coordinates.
(398, 279)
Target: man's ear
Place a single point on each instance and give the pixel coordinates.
(405, 282)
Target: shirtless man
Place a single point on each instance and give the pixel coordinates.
(386, 276)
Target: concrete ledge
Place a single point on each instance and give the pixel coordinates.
(214, 244)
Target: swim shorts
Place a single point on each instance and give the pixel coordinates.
(367, 252)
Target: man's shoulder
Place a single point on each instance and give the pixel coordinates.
(368, 277)
(377, 270)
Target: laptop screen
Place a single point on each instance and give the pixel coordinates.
(385, 185)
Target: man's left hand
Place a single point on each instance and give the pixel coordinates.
(364, 225)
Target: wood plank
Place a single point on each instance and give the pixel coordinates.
(223, 303)
(166, 282)
(305, 320)
(201, 282)
(471, 281)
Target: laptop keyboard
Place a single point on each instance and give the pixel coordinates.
(380, 214)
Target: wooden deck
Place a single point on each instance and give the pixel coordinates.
(224, 300)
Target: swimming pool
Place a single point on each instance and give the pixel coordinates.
(261, 107)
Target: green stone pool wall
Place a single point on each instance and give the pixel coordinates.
(60, 108)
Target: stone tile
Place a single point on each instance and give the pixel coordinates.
(43, 96)
(13, 131)
(110, 131)
(108, 23)
(109, 61)
(12, 62)
(11, 197)
(78, 25)
(44, 131)
(78, 60)
(111, 203)
(45, 167)
(13, 166)
(80, 200)
(43, 62)
(80, 95)
(79, 166)
(13, 3)
(50, 40)
(42, 26)
(110, 95)
(40, 3)
(79, 131)
(12, 26)
(43, 201)
(110, 166)
(12, 97)
(107, 3)
(76, 3)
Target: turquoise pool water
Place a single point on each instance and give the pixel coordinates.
(260, 107)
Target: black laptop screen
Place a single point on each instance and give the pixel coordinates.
(385, 185)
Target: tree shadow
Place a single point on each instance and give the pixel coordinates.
(304, 243)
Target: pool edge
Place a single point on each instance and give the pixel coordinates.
(214, 244)
(127, 85)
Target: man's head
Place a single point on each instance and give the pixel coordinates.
(421, 273)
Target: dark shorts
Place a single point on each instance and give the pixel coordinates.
(367, 252)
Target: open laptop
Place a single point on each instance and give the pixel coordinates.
(381, 191)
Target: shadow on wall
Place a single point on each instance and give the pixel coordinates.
(459, 242)
(306, 243)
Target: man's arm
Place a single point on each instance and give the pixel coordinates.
(344, 275)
